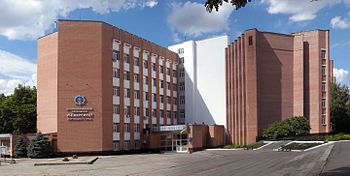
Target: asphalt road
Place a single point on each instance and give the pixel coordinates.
(338, 163)
(247, 163)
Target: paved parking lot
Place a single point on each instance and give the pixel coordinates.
(261, 162)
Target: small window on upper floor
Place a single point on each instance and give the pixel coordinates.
(250, 40)
(180, 51)
(323, 53)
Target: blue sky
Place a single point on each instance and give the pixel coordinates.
(164, 22)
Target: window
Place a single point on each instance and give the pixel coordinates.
(182, 86)
(154, 112)
(161, 98)
(180, 51)
(126, 58)
(116, 127)
(136, 61)
(137, 111)
(168, 114)
(161, 113)
(323, 70)
(175, 115)
(154, 67)
(323, 103)
(168, 100)
(146, 112)
(137, 128)
(145, 64)
(323, 119)
(136, 94)
(168, 85)
(174, 73)
(116, 73)
(116, 145)
(250, 40)
(127, 93)
(154, 125)
(323, 87)
(127, 75)
(145, 78)
(127, 127)
(182, 99)
(161, 69)
(175, 100)
(168, 71)
(126, 145)
(127, 111)
(136, 77)
(174, 87)
(182, 72)
(136, 144)
(115, 55)
(116, 91)
(182, 60)
(161, 84)
(154, 82)
(116, 109)
(323, 53)
(154, 96)
(146, 96)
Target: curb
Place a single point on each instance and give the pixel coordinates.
(66, 163)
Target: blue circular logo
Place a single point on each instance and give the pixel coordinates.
(79, 100)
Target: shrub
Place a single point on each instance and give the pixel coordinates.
(338, 137)
(65, 159)
(291, 127)
(20, 149)
(232, 146)
(39, 147)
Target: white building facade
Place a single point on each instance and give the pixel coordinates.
(202, 97)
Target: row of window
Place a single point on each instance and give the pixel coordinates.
(116, 92)
(145, 78)
(116, 145)
(145, 63)
(137, 110)
(127, 129)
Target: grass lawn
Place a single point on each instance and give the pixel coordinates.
(256, 145)
(301, 146)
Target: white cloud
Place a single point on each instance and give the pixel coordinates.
(339, 23)
(151, 3)
(341, 75)
(191, 18)
(29, 19)
(15, 70)
(299, 10)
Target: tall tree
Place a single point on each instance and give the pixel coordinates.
(340, 108)
(18, 111)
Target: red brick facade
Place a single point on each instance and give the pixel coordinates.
(271, 77)
(78, 60)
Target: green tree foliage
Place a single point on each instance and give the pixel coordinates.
(18, 111)
(211, 4)
(294, 126)
(39, 147)
(20, 149)
(340, 108)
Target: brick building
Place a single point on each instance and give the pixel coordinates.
(272, 76)
(102, 89)
(99, 87)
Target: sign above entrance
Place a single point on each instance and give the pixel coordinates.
(172, 128)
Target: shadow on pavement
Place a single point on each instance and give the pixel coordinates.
(341, 171)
